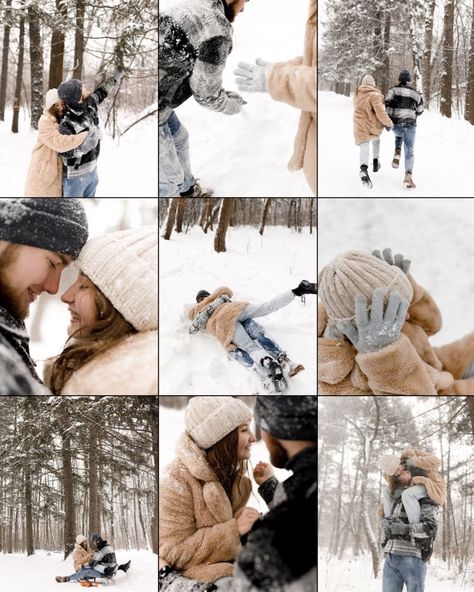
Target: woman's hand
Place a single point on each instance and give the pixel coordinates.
(262, 472)
(246, 520)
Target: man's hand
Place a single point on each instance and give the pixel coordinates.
(246, 520)
(252, 78)
(381, 329)
(399, 261)
(400, 528)
(262, 472)
(385, 526)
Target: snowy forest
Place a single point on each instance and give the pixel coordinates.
(46, 42)
(353, 434)
(78, 465)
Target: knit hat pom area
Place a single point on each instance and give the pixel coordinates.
(357, 272)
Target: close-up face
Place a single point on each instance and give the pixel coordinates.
(81, 301)
(25, 273)
(246, 439)
(278, 455)
(403, 476)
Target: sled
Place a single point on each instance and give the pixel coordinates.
(88, 584)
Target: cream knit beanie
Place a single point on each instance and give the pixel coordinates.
(209, 419)
(357, 272)
(80, 539)
(124, 266)
(389, 463)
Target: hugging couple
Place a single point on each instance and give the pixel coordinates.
(112, 347)
(64, 159)
(209, 539)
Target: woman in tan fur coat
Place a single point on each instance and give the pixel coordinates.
(370, 118)
(82, 553)
(204, 491)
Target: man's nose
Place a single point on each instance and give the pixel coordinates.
(51, 283)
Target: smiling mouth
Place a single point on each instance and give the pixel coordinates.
(75, 318)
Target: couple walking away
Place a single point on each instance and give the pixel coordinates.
(209, 538)
(399, 113)
(194, 43)
(112, 345)
(64, 159)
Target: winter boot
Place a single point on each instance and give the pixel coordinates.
(197, 191)
(305, 287)
(125, 566)
(288, 366)
(276, 370)
(396, 158)
(62, 578)
(376, 165)
(408, 181)
(364, 176)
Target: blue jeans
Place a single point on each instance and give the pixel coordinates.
(252, 336)
(86, 572)
(405, 134)
(174, 166)
(403, 569)
(83, 186)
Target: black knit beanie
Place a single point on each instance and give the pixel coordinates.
(58, 225)
(70, 91)
(201, 295)
(404, 77)
(287, 417)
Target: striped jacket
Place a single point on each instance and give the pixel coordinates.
(404, 104)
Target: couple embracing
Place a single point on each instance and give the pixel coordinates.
(112, 345)
(64, 159)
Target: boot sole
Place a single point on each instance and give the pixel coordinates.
(297, 370)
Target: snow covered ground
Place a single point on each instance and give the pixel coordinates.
(436, 234)
(37, 572)
(127, 166)
(443, 156)
(246, 155)
(256, 269)
(355, 575)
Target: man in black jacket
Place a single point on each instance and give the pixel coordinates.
(38, 238)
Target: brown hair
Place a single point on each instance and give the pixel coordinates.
(223, 460)
(54, 110)
(109, 328)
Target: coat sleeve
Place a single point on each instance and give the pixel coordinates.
(293, 83)
(52, 138)
(380, 112)
(457, 356)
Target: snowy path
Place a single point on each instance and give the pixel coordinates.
(355, 575)
(256, 269)
(36, 573)
(444, 151)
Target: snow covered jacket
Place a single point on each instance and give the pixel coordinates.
(370, 116)
(198, 531)
(45, 173)
(195, 38)
(409, 366)
(17, 369)
(80, 556)
(280, 552)
(104, 560)
(129, 367)
(404, 104)
(435, 486)
(294, 83)
(222, 322)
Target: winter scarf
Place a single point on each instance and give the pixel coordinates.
(409, 366)
(221, 323)
(370, 116)
(198, 531)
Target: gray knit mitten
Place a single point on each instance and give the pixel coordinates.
(399, 261)
(400, 528)
(385, 524)
(200, 321)
(380, 329)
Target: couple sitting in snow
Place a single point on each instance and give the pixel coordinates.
(64, 160)
(233, 324)
(408, 516)
(98, 563)
(374, 321)
(207, 532)
(112, 345)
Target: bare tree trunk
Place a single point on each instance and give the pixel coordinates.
(57, 46)
(470, 406)
(225, 213)
(447, 64)
(427, 53)
(180, 213)
(36, 66)
(385, 69)
(94, 516)
(79, 40)
(469, 105)
(170, 217)
(19, 76)
(69, 506)
(311, 206)
(266, 207)
(5, 52)
(30, 549)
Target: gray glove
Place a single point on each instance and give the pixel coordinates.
(117, 74)
(400, 528)
(233, 104)
(252, 78)
(385, 524)
(399, 261)
(201, 320)
(381, 329)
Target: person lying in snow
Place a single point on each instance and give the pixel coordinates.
(278, 551)
(386, 351)
(233, 324)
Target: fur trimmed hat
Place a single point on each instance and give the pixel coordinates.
(124, 266)
(356, 272)
(389, 464)
(58, 225)
(209, 419)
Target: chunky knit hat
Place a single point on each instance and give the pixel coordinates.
(357, 272)
(209, 419)
(58, 225)
(70, 91)
(124, 266)
(389, 463)
(287, 417)
(368, 79)
(51, 98)
(80, 539)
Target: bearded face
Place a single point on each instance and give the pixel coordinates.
(11, 297)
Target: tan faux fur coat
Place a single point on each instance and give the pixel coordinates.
(294, 83)
(80, 556)
(221, 323)
(370, 116)
(198, 531)
(410, 366)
